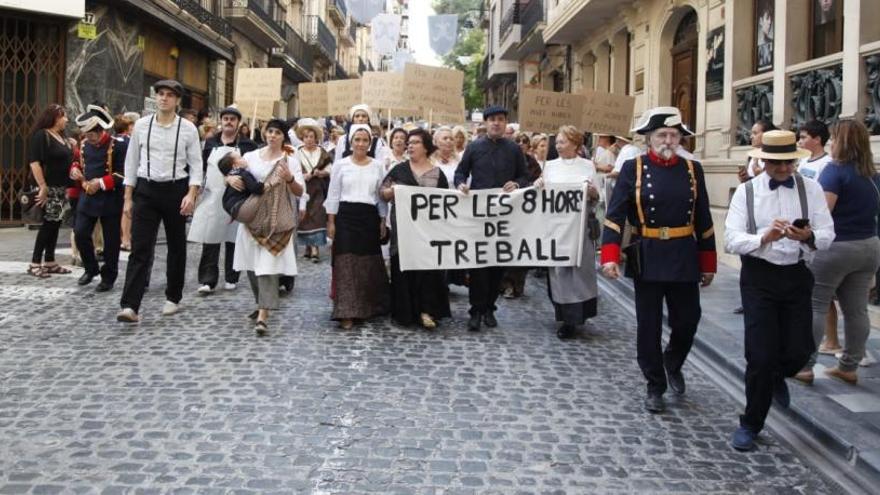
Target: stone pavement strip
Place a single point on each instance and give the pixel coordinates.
(195, 403)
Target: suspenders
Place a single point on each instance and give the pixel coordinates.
(752, 227)
(176, 141)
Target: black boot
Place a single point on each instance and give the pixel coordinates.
(474, 322)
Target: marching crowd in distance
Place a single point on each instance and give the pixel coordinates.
(803, 221)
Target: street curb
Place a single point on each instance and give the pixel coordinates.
(862, 472)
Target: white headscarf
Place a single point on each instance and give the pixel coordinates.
(360, 106)
(359, 127)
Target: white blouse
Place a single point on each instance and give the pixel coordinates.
(569, 170)
(352, 183)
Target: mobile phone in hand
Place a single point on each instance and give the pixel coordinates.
(801, 223)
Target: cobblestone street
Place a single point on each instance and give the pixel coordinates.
(195, 403)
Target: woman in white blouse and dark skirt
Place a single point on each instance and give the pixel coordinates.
(355, 213)
(573, 289)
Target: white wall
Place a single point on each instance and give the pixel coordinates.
(65, 8)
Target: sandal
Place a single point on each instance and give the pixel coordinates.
(261, 328)
(253, 316)
(427, 322)
(37, 271)
(56, 269)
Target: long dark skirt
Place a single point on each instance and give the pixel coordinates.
(360, 284)
(415, 292)
(573, 313)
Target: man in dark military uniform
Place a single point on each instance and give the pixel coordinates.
(664, 198)
(100, 173)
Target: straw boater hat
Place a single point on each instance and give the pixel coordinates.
(660, 117)
(779, 145)
(94, 116)
(305, 124)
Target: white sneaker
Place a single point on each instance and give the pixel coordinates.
(868, 360)
(127, 315)
(205, 290)
(229, 286)
(170, 308)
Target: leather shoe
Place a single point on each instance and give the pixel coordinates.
(565, 332)
(489, 320)
(654, 403)
(805, 376)
(86, 278)
(103, 286)
(780, 393)
(743, 439)
(675, 379)
(474, 323)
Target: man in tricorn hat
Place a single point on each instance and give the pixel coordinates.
(664, 198)
(775, 223)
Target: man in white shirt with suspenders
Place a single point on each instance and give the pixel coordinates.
(775, 223)
(163, 173)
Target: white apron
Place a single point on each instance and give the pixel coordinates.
(210, 223)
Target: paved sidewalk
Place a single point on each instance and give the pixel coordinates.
(843, 417)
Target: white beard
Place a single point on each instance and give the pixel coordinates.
(665, 152)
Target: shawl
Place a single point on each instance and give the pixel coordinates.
(275, 217)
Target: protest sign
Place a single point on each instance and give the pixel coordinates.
(607, 113)
(313, 100)
(546, 111)
(436, 88)
(445, 229)
(448, 118)
(257, 109)
(383, 90)
(258, 84)
(342, 95)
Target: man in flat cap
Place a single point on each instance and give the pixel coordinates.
(159, 188)
(664, 198)
(489, 162)
(216, 148)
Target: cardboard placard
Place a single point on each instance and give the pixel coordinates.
(313, 100)
(437, 88)
(546, 111)
(259, 109)
(342, 95)
(257, 85)
(383, 90)
(440, 117)
(607, 113)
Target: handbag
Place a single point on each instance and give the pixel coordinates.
(31, 213)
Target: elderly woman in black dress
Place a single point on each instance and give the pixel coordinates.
(418, 296)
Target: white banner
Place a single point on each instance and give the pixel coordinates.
(363, 11)
(445, 229)
(444, 32)
(386, 31)
(400, 59)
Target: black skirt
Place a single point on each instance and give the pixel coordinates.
(417, 291)
(360, 285)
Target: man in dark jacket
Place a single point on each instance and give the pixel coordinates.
(489, 162)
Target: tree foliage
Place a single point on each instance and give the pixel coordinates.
(470, 46)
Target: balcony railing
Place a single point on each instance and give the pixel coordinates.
(511, 17)
(319, 35)
(267, 10)
(340, 71)
(206, 17)
(530, 15)
(297, 50)
(338, 10)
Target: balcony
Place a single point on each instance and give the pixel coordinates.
(294, 58)
(509, 19)
(205, 17)
(509, 30)
(259, 20)
(340, 72)
(318, 35)
(568, 22)
(206, 28)
(338, 11)
(532, 28)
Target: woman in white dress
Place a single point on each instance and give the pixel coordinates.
(263, 262)
(445, 157)
(573, 289)
(355, 222)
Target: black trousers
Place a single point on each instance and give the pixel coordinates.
(483, 288)
(82, 234)
(155, 202)
(777, 308)
(47, 239)
(209, 271)
(683, 311)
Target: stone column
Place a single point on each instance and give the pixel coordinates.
(852, 102)
(781, 89)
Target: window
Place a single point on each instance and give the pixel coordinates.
(826, 27)
(764, 26)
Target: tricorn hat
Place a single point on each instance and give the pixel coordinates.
(779, 145)
(659, 117)
(94, 116)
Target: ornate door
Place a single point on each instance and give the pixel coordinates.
(32, 65)
(684, 73)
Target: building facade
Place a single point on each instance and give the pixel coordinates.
(724, 63)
